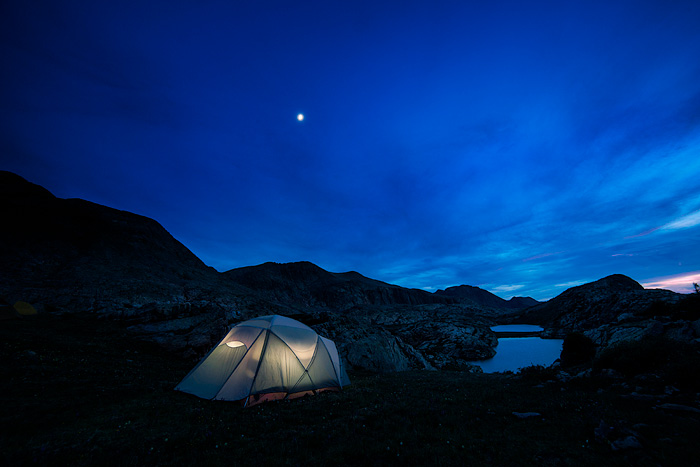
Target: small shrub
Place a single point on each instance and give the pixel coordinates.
(687, 308)
(658, 308)
(577, 349)
(538, 373)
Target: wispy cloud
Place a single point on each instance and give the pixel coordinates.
(681, 283)
(685, 222)
(506, 288)
(543, 255)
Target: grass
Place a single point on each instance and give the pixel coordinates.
(677, 362)
(76, 391)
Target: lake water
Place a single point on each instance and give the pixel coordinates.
(514, 353)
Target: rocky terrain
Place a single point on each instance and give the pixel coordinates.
(617, 309)
(74, 256)
(120, 303)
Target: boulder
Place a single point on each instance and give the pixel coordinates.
(377, 351)
(695, 325)
(626, 443)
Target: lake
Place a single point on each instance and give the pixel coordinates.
(514, 353)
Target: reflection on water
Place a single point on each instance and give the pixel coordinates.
(514, 353)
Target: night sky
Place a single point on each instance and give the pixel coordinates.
(522, 147)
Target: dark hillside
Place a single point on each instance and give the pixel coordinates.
(481, 297)
(592, 304)
(306, 285)
(74, 254)
(522, 302)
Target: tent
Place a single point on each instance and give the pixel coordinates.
(267, 358)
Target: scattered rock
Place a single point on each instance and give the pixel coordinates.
(678, 408)
(623, 444)
(644, 397)
(523, 415)
(619, 439)
(625, 317)
(695, 325)
(602, 432)
(611, 374)
(563, 377)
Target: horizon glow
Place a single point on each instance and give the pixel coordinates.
(680, 283)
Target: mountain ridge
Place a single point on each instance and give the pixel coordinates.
(75, 256)
(68, 231)
(485, 298)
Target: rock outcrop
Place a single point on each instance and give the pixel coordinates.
(616, 309)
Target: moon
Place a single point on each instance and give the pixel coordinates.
(300, 117)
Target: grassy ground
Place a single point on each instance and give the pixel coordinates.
(79, 392)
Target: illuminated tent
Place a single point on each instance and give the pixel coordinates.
(267, 358)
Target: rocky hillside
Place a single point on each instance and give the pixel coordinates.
(307, 286)
(617, 308)
(71, 255)
(481, 297)
(74, 256)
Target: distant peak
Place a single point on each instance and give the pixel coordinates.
(616, 282)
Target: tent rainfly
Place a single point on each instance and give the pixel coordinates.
(267, 358)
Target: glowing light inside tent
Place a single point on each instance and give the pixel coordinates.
(234, 344)
(300, 117)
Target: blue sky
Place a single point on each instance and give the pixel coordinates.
(522, 147)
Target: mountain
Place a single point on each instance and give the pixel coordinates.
(485, 298)
(306, 285)
(522, 302)
(74, 256)
(81, 253)
(589, 304)
(617, 308)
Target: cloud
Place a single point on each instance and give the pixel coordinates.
(681, 283)
(544, 255)
(505, 288)
(685, 222)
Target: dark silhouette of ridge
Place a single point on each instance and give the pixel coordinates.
(72, 252)
(485, 298)
(306, 284)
